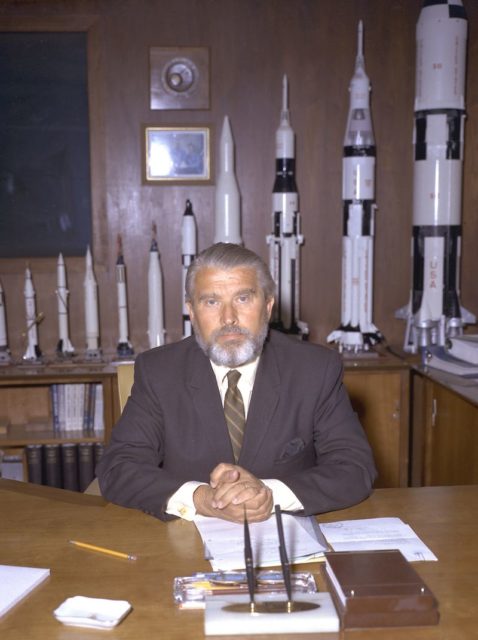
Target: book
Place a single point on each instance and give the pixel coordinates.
(55, 407)
(465, 348)
(52, 465)
(18, 582)
(11, 465)
(86, 464)
(378, 589)
(69, 466)
(98, 422)
(439, 358)
(99, 450)
(34, 455)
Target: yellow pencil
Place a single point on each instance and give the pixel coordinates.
(110, 552)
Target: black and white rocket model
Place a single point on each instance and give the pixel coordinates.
(92, 319)
(64, 348)
(188, 251)
(434, 312)
(285, 240)
(357, 331)
(5, 356)
(123, 348)
(33, 352)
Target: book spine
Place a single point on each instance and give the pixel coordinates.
(69, 465)
(55, 411)
(52, 465)
(86, 464)
(86, 406)
(99, 450)
(34, 454)
(91, 407)
(98, 424)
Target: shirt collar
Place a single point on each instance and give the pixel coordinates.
(247, 371)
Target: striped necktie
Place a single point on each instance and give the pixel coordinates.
(234, 412)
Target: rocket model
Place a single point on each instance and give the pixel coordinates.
(124, 347)
(357, 332)
(285, 239)
(156, 333)
(64, 347)
(5, 357)
(228, 212)
(92, 324)
(189, 249)
(434, 312)
(32, 353)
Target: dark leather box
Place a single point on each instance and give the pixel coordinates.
(378, 589)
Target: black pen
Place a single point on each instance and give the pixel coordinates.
(284, 560)
(249, 562)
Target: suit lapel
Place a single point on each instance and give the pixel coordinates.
(208, 406)
(265, 396)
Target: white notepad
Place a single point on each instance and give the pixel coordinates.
(17, 582)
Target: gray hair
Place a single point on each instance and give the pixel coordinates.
(229, 256)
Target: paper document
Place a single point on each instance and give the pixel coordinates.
(16, 583)
(372, 534)
(224, 541)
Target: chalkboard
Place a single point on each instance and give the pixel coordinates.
(45, 197)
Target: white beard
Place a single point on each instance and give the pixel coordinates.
(235, 353)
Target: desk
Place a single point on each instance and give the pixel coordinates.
(36, 523)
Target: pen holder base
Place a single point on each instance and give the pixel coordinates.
(231, 615)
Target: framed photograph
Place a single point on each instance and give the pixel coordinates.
(177, 155)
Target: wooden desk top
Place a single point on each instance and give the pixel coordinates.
(36, 523)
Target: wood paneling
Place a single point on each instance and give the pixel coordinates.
(252, 43)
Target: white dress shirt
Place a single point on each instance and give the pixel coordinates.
(181, 503)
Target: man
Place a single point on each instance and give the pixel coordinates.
(181, 446)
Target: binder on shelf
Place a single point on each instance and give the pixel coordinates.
(52, 465)
(99, 450)
(378, 589)
(34, 455)
(69, 465)
(86, 464)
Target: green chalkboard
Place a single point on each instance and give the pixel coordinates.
(45, 196)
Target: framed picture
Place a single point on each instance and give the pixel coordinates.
(177, 155)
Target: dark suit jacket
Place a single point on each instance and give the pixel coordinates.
(300, 428)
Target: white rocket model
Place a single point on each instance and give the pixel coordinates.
(228, 209)
(285, 240)
(357, 332)
(92, 324)
(189, 250)
(64, 347)
(156, 333)
(124, 348)
(5, 357)
(32, 353)
(434, 312)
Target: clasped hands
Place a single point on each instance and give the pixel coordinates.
(231, 488)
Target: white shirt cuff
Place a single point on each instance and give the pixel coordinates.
(283, 496)
(181, 503)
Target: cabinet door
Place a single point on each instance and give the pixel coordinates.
(451, 440)
(380, 400)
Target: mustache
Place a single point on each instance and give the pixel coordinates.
(228, 329)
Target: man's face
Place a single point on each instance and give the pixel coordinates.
(229, 314)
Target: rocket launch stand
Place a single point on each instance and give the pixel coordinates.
(5, 356)
(93, 355)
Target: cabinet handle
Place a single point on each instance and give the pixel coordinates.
(434, 411)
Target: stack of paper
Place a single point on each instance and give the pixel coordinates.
(16, 583)
(224, 541)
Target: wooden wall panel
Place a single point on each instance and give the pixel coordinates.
(252, 43)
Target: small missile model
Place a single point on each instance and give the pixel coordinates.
(124, 348)
(356, 331)
(189, 250)
(64, 348)
(32, 353)
(92, 324)
(434, 313)
(285, 240)
(228, 209)
(156, 333)
(5, 357)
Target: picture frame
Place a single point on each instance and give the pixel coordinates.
(177, 154)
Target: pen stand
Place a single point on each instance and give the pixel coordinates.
(232, 615)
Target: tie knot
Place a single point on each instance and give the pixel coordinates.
(233, 377)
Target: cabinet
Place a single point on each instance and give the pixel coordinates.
(379, 391)
(26, 412)
(444, 429)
